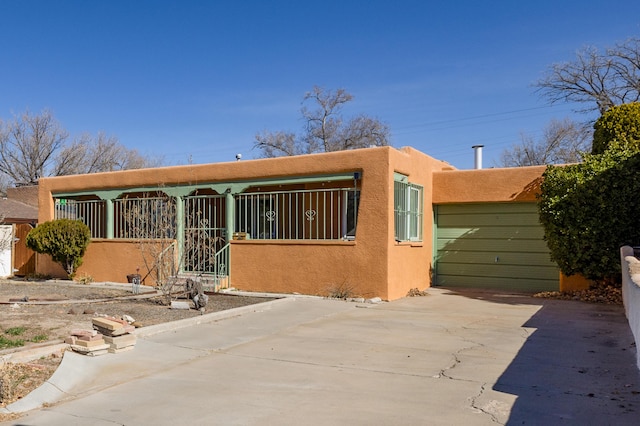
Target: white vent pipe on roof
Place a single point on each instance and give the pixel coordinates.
(478, 156)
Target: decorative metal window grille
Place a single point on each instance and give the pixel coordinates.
(90, 212)
(408, 202)
(329, 214)
(144, 218)
(204, 234)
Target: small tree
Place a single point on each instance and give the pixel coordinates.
(588, 211)
(620, 124)
(65, 240)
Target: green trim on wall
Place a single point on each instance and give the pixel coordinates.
(234, 187)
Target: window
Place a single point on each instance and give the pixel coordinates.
(142, 216)
(408, 207)
(316, 214)
(90, 212)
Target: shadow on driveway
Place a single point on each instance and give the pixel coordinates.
(576, 367)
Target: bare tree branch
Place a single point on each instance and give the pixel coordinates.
(325, 129)
(32, 146)
(599, 80)
(28, 144)
(562, 142)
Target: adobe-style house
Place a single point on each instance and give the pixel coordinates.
(373, 222)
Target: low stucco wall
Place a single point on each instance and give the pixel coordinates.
(631, 292)
(104, 260)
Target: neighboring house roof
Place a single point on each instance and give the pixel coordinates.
(12, 211)
(27, 194)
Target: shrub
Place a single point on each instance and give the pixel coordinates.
(64, 240)
(619, 124)
(15, 331)
(588, 211)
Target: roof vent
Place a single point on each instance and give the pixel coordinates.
(478, 156)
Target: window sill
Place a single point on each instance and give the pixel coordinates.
(296, 242)
(410, 243)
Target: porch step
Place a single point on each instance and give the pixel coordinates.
(210, 283)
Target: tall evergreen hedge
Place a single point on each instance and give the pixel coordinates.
(589, 210)
(619, 124)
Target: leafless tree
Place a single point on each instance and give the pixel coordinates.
(28, 145)
(151, 221)
(562, 142)
(597, 79)
(100, 154)
(325, 128)
(4, 184)
(33, 146)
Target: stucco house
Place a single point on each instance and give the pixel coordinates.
(376, 221)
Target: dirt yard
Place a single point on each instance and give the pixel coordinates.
(41, 312)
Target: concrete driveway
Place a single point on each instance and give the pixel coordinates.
(450, 358)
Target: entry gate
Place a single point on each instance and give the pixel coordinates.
(205, 245)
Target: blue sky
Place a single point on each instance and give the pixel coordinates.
(198, 79)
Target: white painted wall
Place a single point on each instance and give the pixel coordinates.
(631, 293)
(6, 242)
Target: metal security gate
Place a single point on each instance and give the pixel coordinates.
(492, 245)
(205, 245)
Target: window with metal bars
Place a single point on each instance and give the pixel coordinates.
(90, 212)
(318, 214)
(142, 216)
(408, 207)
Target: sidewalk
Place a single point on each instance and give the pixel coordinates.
(464, 357)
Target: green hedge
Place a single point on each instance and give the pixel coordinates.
(619, 124)
(590, 209)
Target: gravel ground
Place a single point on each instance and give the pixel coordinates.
(54, 308)
(39, 312)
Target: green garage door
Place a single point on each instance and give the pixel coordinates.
(493, 245)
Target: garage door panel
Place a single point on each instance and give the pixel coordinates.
(501, 232)
(502, 258)
(497, 271)
(484, 208)
(493, 245)
(492, 219)
(526, 246)
(510, 284)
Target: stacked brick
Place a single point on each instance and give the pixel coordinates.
(109, 335)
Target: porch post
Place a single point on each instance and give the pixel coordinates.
(230, 215)
(109, 218)
(180, 229)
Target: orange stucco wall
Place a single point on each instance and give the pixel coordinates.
(410, 263)
(574, 282)
(519, 184)
(105, 260)
(372, 265)
(113, 260)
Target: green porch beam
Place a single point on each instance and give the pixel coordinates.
(222, 187)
